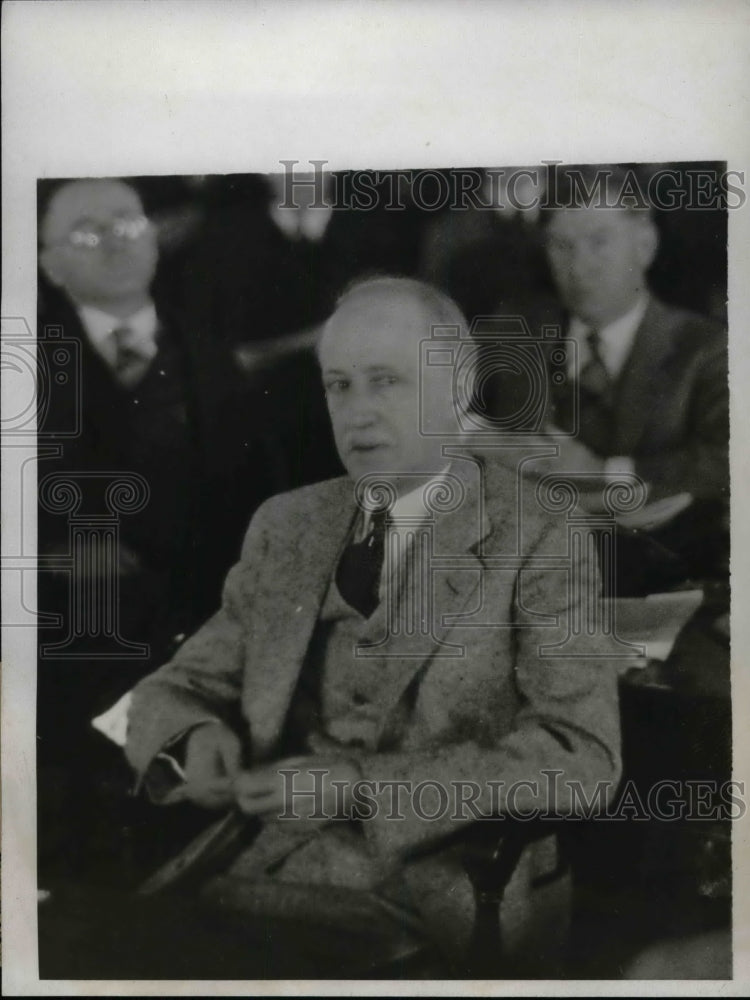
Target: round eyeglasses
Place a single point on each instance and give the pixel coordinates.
(127, 228)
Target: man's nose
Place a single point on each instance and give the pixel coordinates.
(115, 246)
(363, 408)
(583, 262)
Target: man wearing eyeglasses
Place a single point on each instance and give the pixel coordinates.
(99, 247)
(150, 398)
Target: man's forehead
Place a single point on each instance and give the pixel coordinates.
(590, 219)
(370, 321)
(82, 201)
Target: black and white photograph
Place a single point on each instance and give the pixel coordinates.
(372, 562)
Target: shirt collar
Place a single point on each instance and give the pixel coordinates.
(616, 338)
(411, 505)
(99, 324)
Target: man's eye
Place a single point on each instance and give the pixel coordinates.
(130, 229)
(383, 380)
(337, 385)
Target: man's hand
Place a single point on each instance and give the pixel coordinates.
(212, 763)
(307, 793)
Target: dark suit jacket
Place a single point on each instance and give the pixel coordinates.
(208, 463)
(202, 491)
(672, 404)
(494, 710)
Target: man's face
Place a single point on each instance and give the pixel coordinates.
(599, 258)
(370, 361)
(98, 246)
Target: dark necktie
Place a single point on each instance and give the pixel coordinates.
(596, 399)
(360, 567)
(130, 361)
(594, 375)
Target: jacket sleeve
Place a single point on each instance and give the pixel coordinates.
(700, 465)
(568, 723)
(204, 680)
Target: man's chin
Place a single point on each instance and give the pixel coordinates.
(370, 462)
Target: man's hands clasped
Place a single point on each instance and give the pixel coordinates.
(310, 788)
(213, 759)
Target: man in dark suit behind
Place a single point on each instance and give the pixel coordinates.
(168, 415)
(649, 380)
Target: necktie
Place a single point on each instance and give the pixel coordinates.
(359, 569)
(596, 399)
(594, 375)
(130, 361)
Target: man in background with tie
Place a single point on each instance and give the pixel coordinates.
(649, 380)
(344, 652)
(150, 398)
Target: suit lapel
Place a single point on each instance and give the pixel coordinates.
(641, 377)
(290, 604)
(638, 381)
(402, 641)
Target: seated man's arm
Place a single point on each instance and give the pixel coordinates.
(701, 465)
(203, 682)
(698, 465)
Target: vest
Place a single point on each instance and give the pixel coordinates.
(337, 700)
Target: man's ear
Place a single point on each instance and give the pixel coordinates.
(49, 265)
(647, 242)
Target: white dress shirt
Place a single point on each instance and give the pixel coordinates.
(410, 506)
(100, 327)
(406, 514)
(615, 340)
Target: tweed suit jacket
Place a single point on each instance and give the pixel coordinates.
(485, 704)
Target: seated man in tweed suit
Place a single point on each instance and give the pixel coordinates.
(393, 660)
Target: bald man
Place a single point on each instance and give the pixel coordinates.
(329, 664)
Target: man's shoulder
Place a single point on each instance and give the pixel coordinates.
(57, 317)
(512, 499)
(299, 507)
(687, 329)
